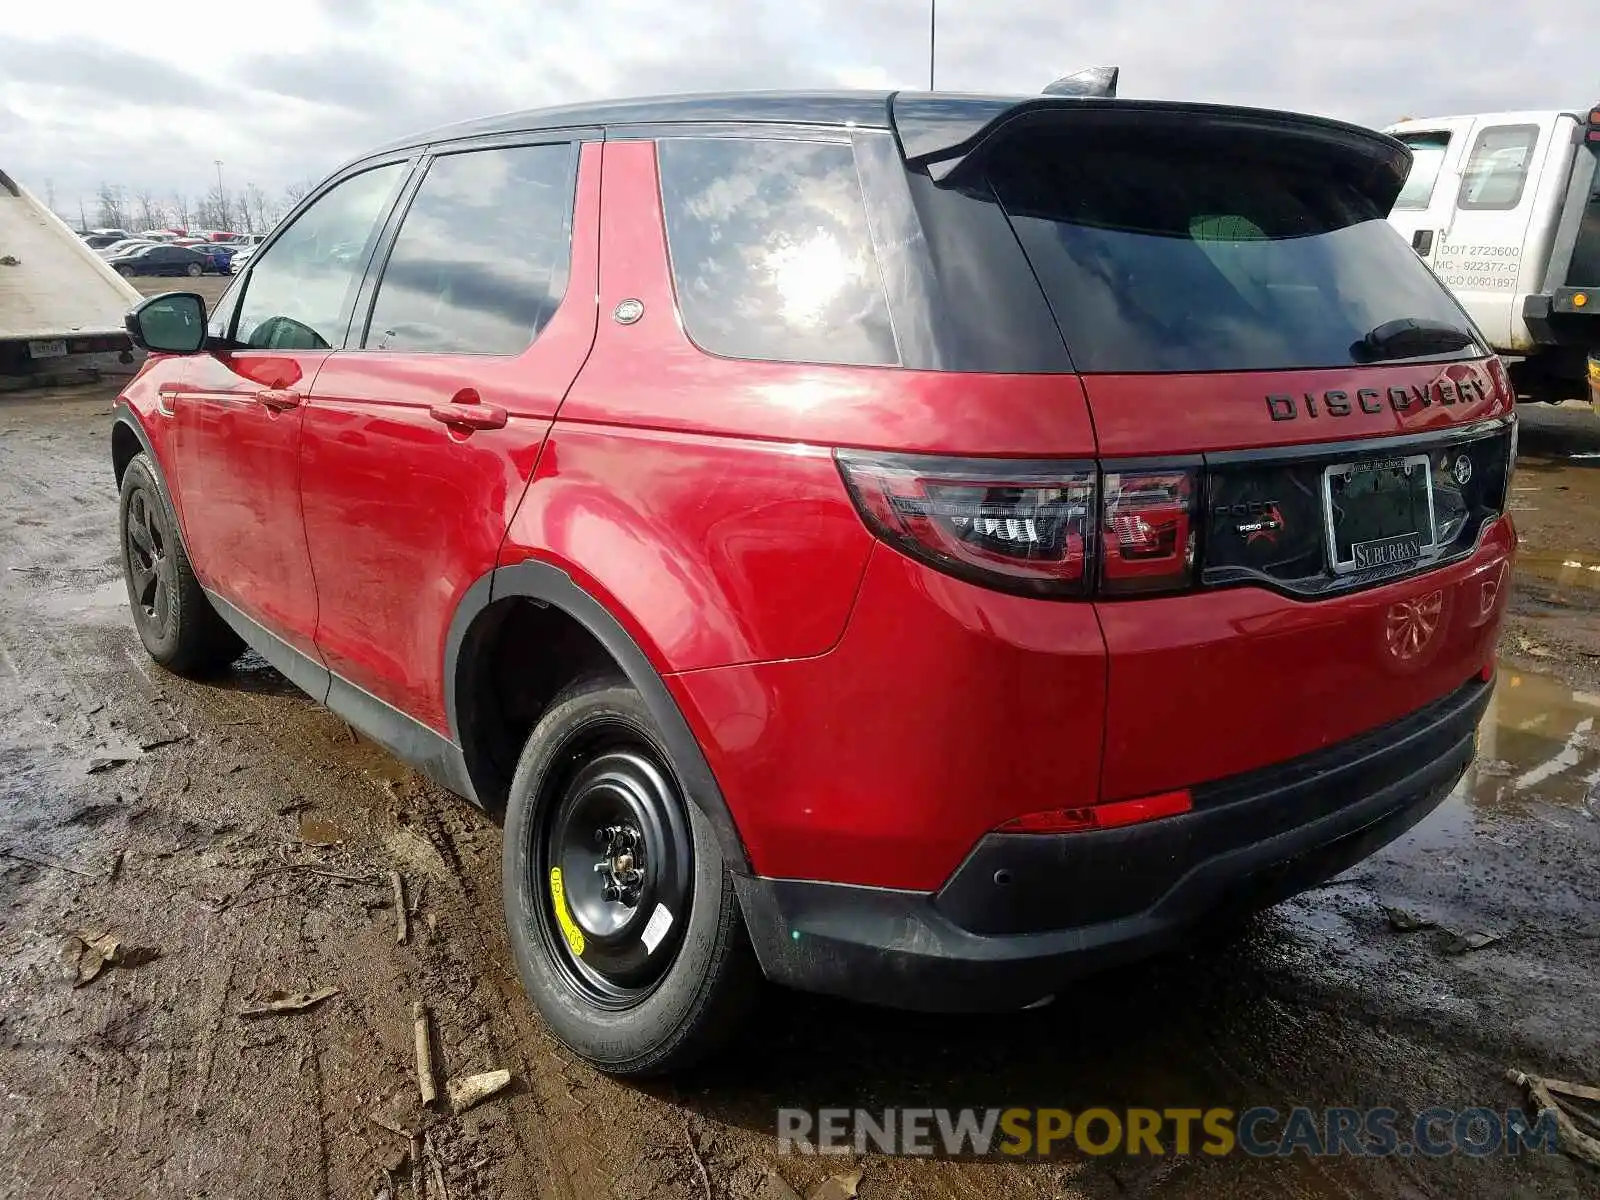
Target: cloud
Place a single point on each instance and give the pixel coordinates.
(132, 102)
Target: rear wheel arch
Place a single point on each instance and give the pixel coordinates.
(533, 613)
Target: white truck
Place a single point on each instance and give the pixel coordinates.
(1505, 207)
(61, 307)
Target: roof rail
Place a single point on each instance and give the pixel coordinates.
(1091, 81)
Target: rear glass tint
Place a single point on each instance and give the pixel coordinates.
(1171, 256)
(771, 254)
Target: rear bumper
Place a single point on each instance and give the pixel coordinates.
(1026, 913)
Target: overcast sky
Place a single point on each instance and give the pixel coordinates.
(150, 96)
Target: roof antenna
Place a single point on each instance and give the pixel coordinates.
(1092, 81)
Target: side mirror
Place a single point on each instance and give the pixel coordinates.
(174, 323)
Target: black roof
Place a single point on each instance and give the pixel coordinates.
(869, 109)
(938, 131)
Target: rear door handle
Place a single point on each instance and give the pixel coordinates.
(466, 411)
(1422, 242)
(278, 399)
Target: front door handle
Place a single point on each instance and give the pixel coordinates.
(466, 411)
(278, 399)
(1422, 242)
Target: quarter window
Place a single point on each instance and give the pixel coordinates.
(300, 291)
(483, 256)
(1427, 157)
(1498, 169)
(771, 254)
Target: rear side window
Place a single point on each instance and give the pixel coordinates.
(1427, 156)
(1497, 170)
(1173, 255)
(771, 254)
(482, 259)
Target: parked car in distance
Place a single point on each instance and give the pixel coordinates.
(161, 260)
(126, 245)
(242, 256)
(919, 548)
(99, 241)
(219, 256)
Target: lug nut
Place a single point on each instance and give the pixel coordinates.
(612, 892)
(630, 897)
(602, 836)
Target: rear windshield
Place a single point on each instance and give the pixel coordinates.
(1165, 255)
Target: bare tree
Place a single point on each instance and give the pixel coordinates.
(179, 210)
(149, 209)
(215, 210)
(296, 192)
(112, 212)
(258, 211)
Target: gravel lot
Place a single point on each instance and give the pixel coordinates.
(248, 836)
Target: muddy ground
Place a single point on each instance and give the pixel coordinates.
(247, 836)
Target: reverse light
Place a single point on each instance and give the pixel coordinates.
(1102, 816)
(1019, 526)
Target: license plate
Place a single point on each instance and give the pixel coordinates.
(1379, 512)
(51, 349)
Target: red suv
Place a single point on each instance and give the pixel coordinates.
(913, 547)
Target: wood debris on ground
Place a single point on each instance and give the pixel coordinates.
(278, 1002)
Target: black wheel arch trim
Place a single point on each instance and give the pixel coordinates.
(547, 584)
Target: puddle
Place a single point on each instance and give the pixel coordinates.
(319, 830)
(1538, 744)
(108, 598)
(1560, 578)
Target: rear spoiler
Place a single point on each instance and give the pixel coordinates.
(946, 134)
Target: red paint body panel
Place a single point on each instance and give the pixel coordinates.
(404, 513)
(1209, 685)
(1186, 414)
(711, 550)
(239, 462)
(946, 709)
(650, 373)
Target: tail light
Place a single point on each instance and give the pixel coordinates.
(1022, 527)
(1039, 529)
(1148, 519)
(1594, 125)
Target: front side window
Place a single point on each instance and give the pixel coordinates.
(1497, 171)
(483, 255)
(1427, 157)
(299, 292)
(771, 254)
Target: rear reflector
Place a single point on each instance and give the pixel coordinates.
(1102, 816)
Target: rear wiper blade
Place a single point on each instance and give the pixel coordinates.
(1410, 338)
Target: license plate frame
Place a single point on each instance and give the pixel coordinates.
(1400, 547)
(48, 348)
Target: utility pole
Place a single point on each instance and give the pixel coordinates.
(933, 21)
(83, 220)
(222, 198)
(50, 194)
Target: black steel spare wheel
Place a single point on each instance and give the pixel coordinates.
(150, 564)
(615, 868)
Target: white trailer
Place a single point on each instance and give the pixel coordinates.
(61, 307)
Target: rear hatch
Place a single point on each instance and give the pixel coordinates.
(1304, 442)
